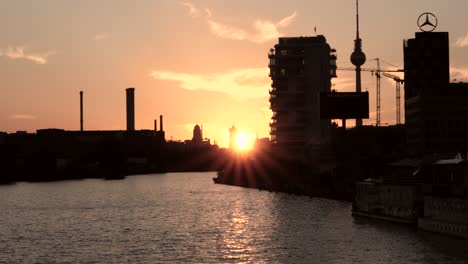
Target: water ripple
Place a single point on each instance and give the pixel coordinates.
(184, 218)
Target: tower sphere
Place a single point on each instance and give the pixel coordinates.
(358, 58)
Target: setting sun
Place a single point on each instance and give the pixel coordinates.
(244, 141)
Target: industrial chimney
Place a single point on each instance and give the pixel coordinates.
(161, 128)
(81, 110)
(130, 109)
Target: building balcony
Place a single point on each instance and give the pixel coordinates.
(286, 127)
(282, 107)
(284, 101)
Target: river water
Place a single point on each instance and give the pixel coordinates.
(185, 218)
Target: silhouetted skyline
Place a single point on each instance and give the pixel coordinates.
(195, 62)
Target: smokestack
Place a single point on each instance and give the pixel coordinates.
(161, 128)
(81, 110)
(130, 109)
(155, 125)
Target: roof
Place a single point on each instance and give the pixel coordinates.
(406, 163)
(371, 181)
(457, 160)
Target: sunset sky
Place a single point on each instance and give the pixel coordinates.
(194, 62)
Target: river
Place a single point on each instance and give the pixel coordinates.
(185, 218)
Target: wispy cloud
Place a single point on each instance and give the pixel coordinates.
(261, 31)
(343, 84)
(462, 41)
(226, 31)
(20, 53)
(22, 117)
(102, 36)
(458, 73)
(287, 20)
(195, 11)
(240, 84)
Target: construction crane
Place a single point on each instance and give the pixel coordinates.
(398, 82)
(377, 71)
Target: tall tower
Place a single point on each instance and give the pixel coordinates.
(358, 58)
(232, 137)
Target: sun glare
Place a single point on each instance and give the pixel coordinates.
(244, 142)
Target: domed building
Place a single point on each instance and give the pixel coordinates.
(197, 134)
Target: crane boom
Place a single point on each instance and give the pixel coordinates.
(368, 69)
(378, 72)
(394, 77)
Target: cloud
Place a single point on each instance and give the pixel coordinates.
(462, 41)
(343, 84)
(262, 30)
(102, 36)
(226, 31)
(19, 53)
(458, 73)
(196, 12)
(240, 83)
(22, 117)
(287, 20)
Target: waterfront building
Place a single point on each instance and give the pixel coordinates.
(396, 196)
(446, 197)
(300, 68)
(436, 111)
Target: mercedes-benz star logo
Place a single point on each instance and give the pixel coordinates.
(427, 22)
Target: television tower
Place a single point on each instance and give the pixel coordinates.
(358, 58)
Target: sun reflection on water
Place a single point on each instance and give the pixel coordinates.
(238, 244)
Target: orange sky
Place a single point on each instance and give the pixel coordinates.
(194, 62)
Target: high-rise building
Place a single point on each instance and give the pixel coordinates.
(300, 68)
(436, 111)
(426, 59)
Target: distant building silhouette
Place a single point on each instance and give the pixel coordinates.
(232, 137)
(81, 111)
(131, 109)
(300, 68)
(197, 134)
(161, 124)
(436, 112)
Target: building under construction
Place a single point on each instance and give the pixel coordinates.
(300, 69)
